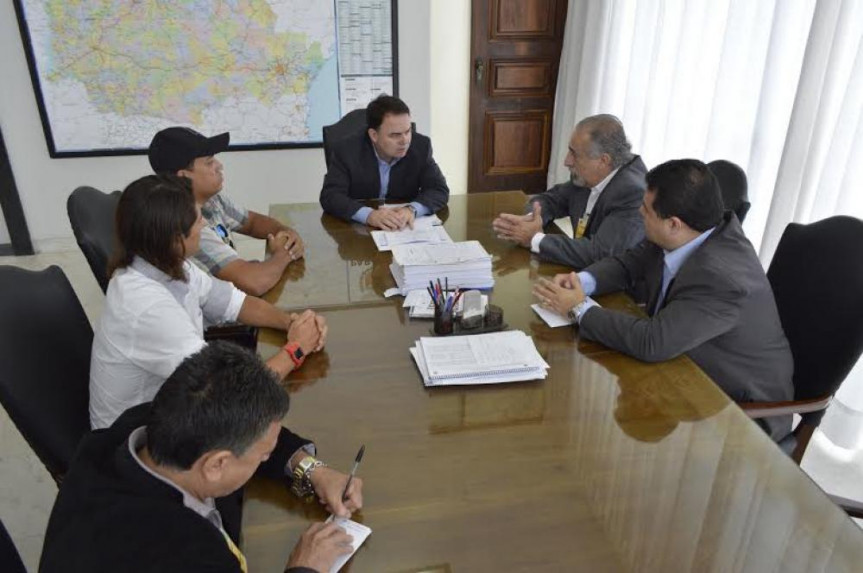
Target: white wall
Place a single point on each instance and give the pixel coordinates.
(254, 178)
(450, 88)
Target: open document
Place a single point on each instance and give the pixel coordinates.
(492, 358)
(426, 230)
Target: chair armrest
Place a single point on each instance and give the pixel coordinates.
(770, 409)
(240, 334)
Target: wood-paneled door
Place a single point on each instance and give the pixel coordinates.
(515, 50)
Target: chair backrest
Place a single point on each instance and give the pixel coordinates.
(10, 560)
(352, 122)
(817, 279)
(91, 214)
(734, 186)
(45, 343)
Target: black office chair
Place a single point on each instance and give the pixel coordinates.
(45, 341)
(10, 560)
(733, 184)
(91, 214)
(352, 122)
(817, 279)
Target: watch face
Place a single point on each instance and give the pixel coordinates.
(298, 353)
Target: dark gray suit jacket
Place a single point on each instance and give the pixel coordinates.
(614, 225)
(353, 175)
(719, 310)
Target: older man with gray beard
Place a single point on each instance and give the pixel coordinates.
(601, 199)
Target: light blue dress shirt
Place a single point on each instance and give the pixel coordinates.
(673, 262)
(362, 214)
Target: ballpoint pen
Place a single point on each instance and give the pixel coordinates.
(357, 461)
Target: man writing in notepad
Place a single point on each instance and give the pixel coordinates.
(385, 161)
(141, 495)
(601, 199)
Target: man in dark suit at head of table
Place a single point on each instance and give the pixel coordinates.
(388, 161)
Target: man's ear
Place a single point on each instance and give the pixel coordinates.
(373, 134)
(677, 224)
(184, 173)
(213, 465)
(606, 159)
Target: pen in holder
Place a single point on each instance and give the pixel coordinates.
(443, 320)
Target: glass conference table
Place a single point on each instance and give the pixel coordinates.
(609, 464)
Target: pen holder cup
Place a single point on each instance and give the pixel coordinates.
(443, 322)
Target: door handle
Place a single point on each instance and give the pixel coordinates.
(478, 69)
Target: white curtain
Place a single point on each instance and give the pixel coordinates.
(775, 86)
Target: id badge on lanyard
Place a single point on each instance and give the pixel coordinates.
(223, 233)
(582, 226)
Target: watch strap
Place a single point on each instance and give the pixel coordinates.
(296, 353)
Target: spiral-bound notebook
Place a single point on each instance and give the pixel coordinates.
(491, 358)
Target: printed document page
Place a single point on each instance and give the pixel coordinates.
(496, 351)
(446, 254)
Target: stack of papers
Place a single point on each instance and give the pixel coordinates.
(422, 306)
(425, 230)
(491, 358)
(465, 265)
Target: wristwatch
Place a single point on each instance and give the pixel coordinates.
(296, 353)
(302, 482)
(413, 210)
(576, 311)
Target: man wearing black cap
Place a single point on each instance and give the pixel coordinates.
(185, 152)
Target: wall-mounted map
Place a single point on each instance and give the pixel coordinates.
(108, 74)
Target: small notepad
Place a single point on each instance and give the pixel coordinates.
(356, 530)
(550, 317)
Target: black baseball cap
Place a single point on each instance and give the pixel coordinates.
(175, 148)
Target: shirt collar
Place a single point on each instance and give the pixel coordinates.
(604, 183)
(149, 271)
(205, 508)
(381, 162)
(675, 259)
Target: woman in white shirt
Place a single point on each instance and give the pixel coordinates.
(157, 302)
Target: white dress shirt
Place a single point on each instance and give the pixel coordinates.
(150, 323)
(591, 202)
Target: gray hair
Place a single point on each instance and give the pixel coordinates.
(607, 136)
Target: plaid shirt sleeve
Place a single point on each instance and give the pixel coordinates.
(233, 216)
(214, 254)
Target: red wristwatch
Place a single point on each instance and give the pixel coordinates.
(296, 353)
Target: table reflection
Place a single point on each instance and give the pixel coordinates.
(609, 464)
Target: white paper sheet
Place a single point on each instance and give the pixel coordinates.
(551, 318)
(356, 530)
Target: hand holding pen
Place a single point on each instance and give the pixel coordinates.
(340, 498)
(357, 461)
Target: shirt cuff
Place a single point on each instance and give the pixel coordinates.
(588, 283)
(309, 448)
(238, 297)
(535, 241)
(422, 210)
(588, 304)
(362, 215)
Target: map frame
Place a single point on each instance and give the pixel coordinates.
(54, 153)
